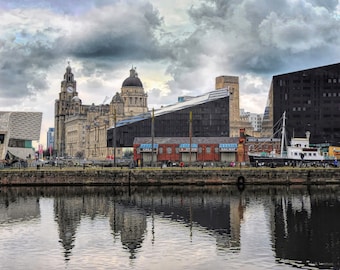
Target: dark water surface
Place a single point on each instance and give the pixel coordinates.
(170, 228)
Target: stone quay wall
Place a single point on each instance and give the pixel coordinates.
(124, 177)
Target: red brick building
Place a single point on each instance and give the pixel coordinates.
(177, 149)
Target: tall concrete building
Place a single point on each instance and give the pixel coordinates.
(50, 138)
(80, 130)
(231, 83)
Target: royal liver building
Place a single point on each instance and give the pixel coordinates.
(80, 130)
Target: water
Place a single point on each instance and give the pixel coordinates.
(170, 228)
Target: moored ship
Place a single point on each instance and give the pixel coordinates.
(299, 152)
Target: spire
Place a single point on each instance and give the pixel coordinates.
(133, 72)
(68, 69)
(68, 76)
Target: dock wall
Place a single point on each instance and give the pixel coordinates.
(183, 176)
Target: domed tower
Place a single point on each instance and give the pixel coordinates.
(76, 105)
(133, 95)
(117, 106)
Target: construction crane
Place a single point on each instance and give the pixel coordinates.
(103, 103)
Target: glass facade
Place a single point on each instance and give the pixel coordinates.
(209, 119)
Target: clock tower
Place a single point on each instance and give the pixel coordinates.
(62, 109)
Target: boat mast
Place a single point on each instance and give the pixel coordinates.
(283, 132)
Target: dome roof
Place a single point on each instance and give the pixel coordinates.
(133, 80)
(76, 99)
(117, 98)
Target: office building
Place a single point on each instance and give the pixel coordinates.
(311, 100)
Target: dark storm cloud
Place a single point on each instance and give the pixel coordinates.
(22, 70)
(129, 34)
(101, 38)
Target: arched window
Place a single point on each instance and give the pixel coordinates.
(169, 150)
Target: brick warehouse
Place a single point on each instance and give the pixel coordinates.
(177, 149)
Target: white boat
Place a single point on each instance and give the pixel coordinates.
(298, 152)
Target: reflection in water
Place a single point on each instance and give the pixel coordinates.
(300, 224)
(307, 229)
(68, 212)
(14, 208)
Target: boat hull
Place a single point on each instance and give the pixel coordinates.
(260, 161)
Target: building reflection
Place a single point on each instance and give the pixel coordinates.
(307, 228)
(14, 208)
(126, 220)
(303, 221)
(218, 214)
(130, 223)
(68, 212)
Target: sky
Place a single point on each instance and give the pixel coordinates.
(178, 47)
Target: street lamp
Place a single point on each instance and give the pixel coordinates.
(114, 137)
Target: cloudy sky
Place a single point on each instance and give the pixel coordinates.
(178, 47)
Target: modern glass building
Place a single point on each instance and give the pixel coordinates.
(210, 118)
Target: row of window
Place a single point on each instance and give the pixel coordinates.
(329, 80)
(136, 101)
(331, 94)
(334, 80)
(262, 147)
(169, 150)
(306, 154)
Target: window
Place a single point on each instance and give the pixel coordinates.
(208, 150)
(160, 150)
(16, 143)
(169, 150)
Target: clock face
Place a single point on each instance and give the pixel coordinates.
(70, 89)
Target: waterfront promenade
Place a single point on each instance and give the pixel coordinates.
(167, 176)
